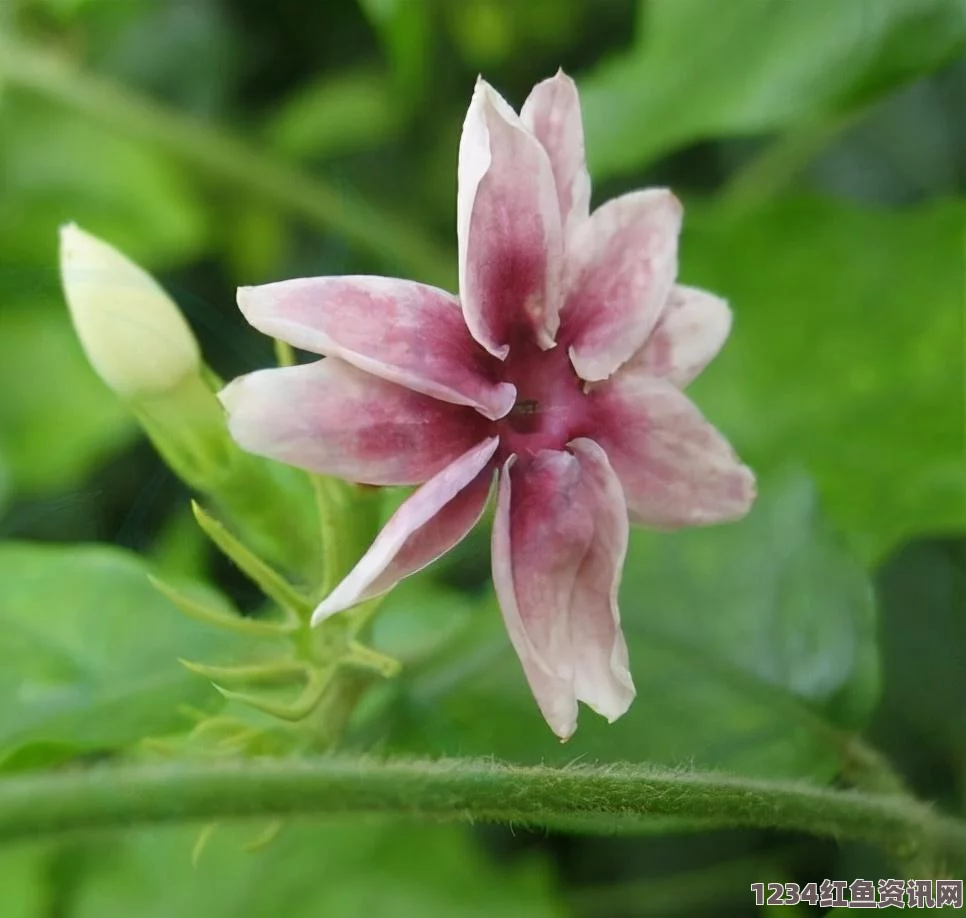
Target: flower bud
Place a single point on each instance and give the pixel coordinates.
(139, 343)
(132, 332)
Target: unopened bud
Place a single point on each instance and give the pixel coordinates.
(132, 332)
(139, 343)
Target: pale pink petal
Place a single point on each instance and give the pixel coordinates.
(691, 330)
(508, 228)
(620, 269)
(407, 333)
(676, 469)
(332, 418)
(552, 114)
(426, 525)
(559, 541)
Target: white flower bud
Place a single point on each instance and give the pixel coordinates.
(132, 332)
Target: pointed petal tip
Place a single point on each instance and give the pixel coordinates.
(619, 702)
(325, 610)
(228, 394)
(243, 296)
(426, 525)
(664, 195)
(565, 732)
(491, 102)
(504, 398)
(590, 370)
(561, 76)
(750, 487)
(67, 231)
(252, 302)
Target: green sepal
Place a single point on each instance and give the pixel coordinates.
(277, 672)
(272, 584)
(365, 658)
(201, 842)
(295, 711)
(264, 838)
(212, 616)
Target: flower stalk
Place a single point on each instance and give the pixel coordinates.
(594, 800)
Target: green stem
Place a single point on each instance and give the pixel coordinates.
(780, 162)
(604, 799)
(226, 159)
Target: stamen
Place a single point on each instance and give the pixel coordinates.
(527, 406)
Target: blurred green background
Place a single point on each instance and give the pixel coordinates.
(820, 149)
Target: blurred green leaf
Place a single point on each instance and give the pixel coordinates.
(484, 32)
(335, 115)
(846, 355)
(405, 28)
(58, 420)
(759, 65)
(419, 617)
(90, 648)
(57, 167)
(499, 34)
(747, 643)
(185, 53)
(354, 868)
(924, 645)
(23, 872)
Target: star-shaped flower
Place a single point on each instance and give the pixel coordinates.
(558, 370)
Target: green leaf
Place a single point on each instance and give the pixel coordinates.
(761, 65)
(350, 868)
(419, 617)
(24, 871)
(747, 643)
(405, 29)
(334, 116)
(846, 355)
(63, 421)
(90, 648)
(60, 167)
(923, 632)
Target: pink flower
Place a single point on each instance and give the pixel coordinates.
(560, 367)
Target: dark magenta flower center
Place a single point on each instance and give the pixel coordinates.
(551, 406)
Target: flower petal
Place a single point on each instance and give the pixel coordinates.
(691, 330)
(559, 541)
(621, 266)
(332, 418)
(407, 333)
(676, 469)
(508, 228)
(426, 525)
(552, 114)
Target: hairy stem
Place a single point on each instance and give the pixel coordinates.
(611, 799)
(226, 159)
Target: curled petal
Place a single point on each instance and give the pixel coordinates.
(676, 469)
(621, 267)
(508, 228)
(691, 330)
(552, 114)
(332, 418)
(559, 541)
(427, 525)
(401, 331)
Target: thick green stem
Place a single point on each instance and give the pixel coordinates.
(608, 799)
(225, 159)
